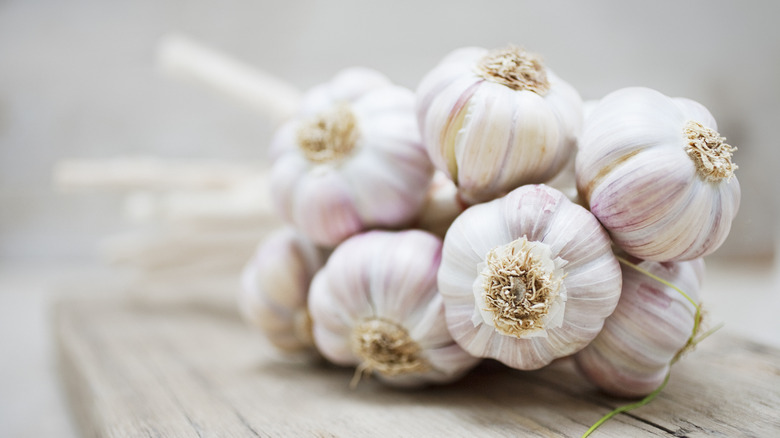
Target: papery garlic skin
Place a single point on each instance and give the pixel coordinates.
(375, 305)
(637, 170)
(541, 242)
(651, 324)
(491, 133)
(442, 205)
(275, 286)
(566, 183)
(353, 160)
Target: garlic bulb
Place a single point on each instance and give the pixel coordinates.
(527, 278)
(651, 324)
(275, 285)
(347, 86)
(494, 120)
(442, 205)
(353, 159)
(375, 305)
(658, 176)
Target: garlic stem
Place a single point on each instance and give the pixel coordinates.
(649, 397)
(150, 173)
(184, 58)
(627, 408)
(697, 317)
(708, 333)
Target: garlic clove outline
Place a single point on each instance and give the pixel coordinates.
(354, 165)
(527, 278)
(492, 128)
(275, 286)
(639, 170)
(650, 326)
(375, 305)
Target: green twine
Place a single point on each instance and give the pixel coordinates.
(648, 398)
(692, 341)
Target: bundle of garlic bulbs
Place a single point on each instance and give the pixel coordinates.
(523, 274)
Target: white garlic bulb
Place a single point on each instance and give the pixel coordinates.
(651, 324)
(442, 205)
(347, 85)
(375, 305)
(527, 278)
(656, 173)
(275, 286)
(494, 120)
(353, 160)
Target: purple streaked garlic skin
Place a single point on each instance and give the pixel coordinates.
(495, 120)
(527, 278)
(351, 161)
(656, 173)
(375, 306)
(275, 286)
(650, 326)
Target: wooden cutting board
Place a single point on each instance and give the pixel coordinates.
(134, 370)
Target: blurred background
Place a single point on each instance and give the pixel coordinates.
(80, 80)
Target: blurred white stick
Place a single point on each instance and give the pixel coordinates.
(177, 249)
(247, 202)
(181, 57)
(175, 192)
(149, 173)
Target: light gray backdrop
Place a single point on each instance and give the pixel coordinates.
(77, 79)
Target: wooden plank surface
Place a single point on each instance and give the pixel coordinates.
(134, 370)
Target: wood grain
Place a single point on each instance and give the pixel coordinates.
(134, 370)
